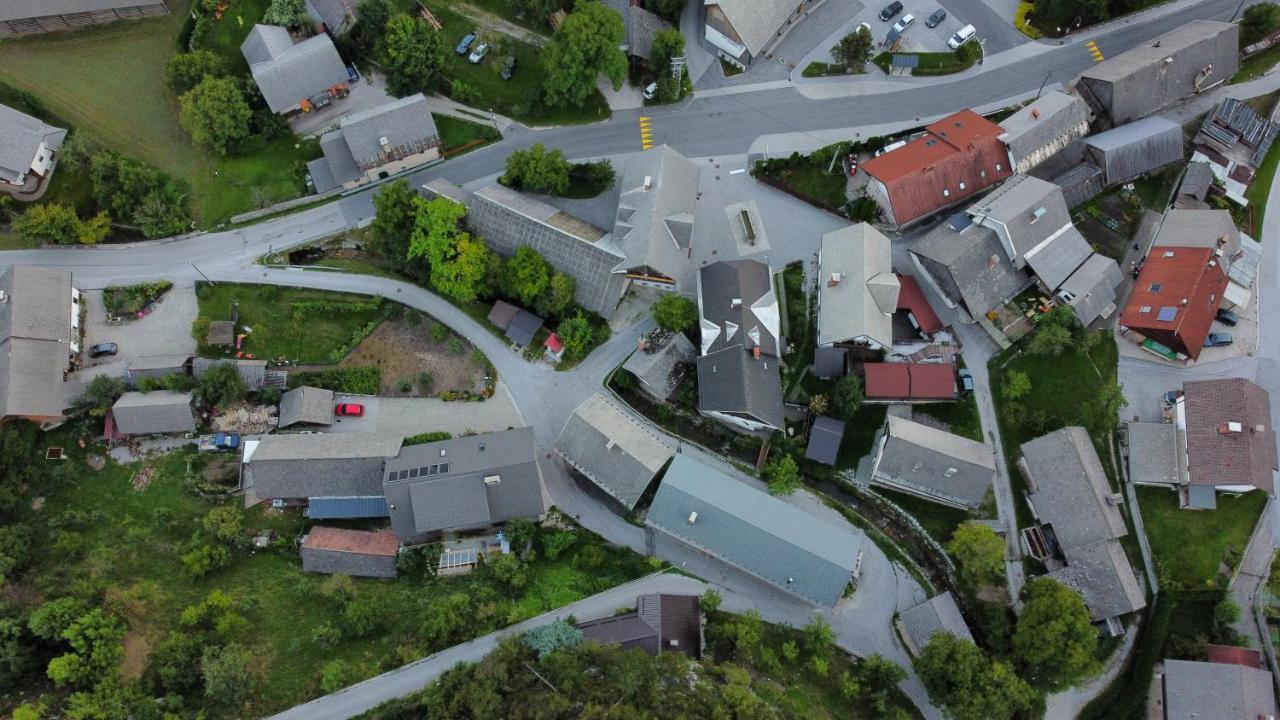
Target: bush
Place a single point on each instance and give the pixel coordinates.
(362, 380)
(439, 332)
(675, 312)
(131, 299)
(427, 437)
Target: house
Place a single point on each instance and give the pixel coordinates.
(741, 30)
(518, 324)
(654, 222)
(933, 464)
(1133, 150)
(1091, 290)
(39, 337)
(956, 158)
(701, 507)
(358, 553)
(1159, 73)
(154, 413)
(553, 348)
(1235, 252)
(939, 614)
(1194, 690)
(661, 363)
(660, 623)
(337, 16)
(1230, 441)
(27, 147)
(824, 440)
(330, 473)
(292, 77)
(919, 312)
(465, 483)
(967, 267)
(1078, 537)
(1043, 129)
(31, 17)
(612, 449)
(1175, 298)
(376, 143)
(857, 290)
(157, 366)
(306, 406)
(1031, 220)
(909, 382)
(738, 379)
(639, 27)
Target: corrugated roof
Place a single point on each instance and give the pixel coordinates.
(20, 138)
(825, 437)
(611, 448)
(628, 631)
(162, 411)
(253, 372)
(857, 290)
(1202, 690)
(1169, 278)
(1216, 458)
(1231, 655)
(1136, 148)
(24, 9)
(288, 75)
(924, 460)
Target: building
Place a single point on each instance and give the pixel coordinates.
(1046, 127)
(31, 17)
(1230, 147)
(518, 324)
(738, 379)
(1031, 220)
(359, 553)
(939, 614)
(1157, 454)
(465, 483)
(1080, 524)
(1175, 298)
(306, 406)
(329, 472)
(701, 507)
(1133, 150)
(1230, 442)
(933, 464)
(857, 290)
(27, 147)
(824, 440)
(956, 158)
(967, 267)
(741, 30)
(39, 338)
(1091, 289)
(157, 366)
(1195, 185)
(1158, 74)
(660, 623)
(662, 362)
(915, 305)
(1235, 252)
(909, 382)
(293, 77)
(376, 144)
(639, 27)
(612, 449)
(1195, 690)
(654, 224)
(337, 16)
(154, 413)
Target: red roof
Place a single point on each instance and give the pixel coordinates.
(362, 542)
(1180, 282)
(1230, 655)
(887, 380)
(910, 381)
(911, 298)
(926, 174)
(554, 344)
(1218, 453)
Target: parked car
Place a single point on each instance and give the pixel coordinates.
(508, 68)
(904, 22)
(651, 91)
(962, 36)
(1172, 396)
(1218, 340)
(465, 44)
(966, 381)
(349, 410)
(478, 54)
(1226, 317)
(219, 442)
(936, 18)
(890, 10)
(103, 350)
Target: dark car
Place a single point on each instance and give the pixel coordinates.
(890, 10)
(1218, 340)
(465, 44)
(1172, 396)
(103, 350)
(508, 68)
(966, 381)
(349, 410)
(1226, 317)
(937, 17)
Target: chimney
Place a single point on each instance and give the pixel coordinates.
(755, 351)
(648, 183)
(836, 279)
(492, 479)
(386, 145)
(693, 517)
(1259, 428)
(1037, 214)
(1035, 114)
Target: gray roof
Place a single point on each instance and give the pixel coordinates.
(938, 614)
(658, 363)
(1045, 121)
(173, 363)
(754, 531)
(1218, 691)
(340, 165)
(733, 381)
(150, 413)
(477, 480)
(337, 15)
(660, 623)
(628, 631)
(1032, 214)
(20, 139)
(971, 266)
(523, 327)
(37, 305)
(309, 405)
(857, 290)
(824, 440)
(23, 9)
(321, 176)
(405, 124)
(35, 336)
(936, 464)
(1092, 287)
(654, 226)
(612, 449)
(253, 372)
(287, 73)
(319, 464)
(1100, 571)
(1198, 228)
(1197, 180)
(642, 25)
(756, 22)
(828, 362)
(1131, 150)
(738, 307)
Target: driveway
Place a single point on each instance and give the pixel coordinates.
(369, 93)
(412, 416)
(167, 331)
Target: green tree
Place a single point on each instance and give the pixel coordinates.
(437, 225)
(215, 113)
(18, 450)
(783, 475)
(675, 313)
(558, 296)
(200, 559)
(537, 170)
(334, 676)
(371, 22)
(395, 208)
(710, 600)
(97, 644)
(818, 404)
(585, 45)
(289, 13)
(1016, 385)
(980, 552)
(846, 396)
(1104, 407)
(557, 542)
(100, 394)
(228, 673)
(1055, 640)
(960, 676)
(576, 333)
(526, 275)
(669, 10)
(512, 572)
(463, 271)
(1049, 339)
(49, 222)
(225, 524)
(51, 619)
(853, 49)
(546, 639)
(220, 386)
(175, 663)
(667, 44)
(15, 651)
(413, 55)
(185, 70)
(94, 230)
(879, 678)
(819, 636)
(1258, 21)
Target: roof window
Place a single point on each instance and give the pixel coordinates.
(1155, 287)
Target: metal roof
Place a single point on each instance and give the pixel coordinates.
(1201, 690)
(824, 440)
(253, 372)
(1136, 148)
(613, 449)
(523, 327)
(287, 75)
(857, 290)
(329, 508)
(150, 413)
(939, 465)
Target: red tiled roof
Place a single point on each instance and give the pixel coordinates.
(911, 298)
(887, 380)
(1230, 655)
(960, 148)
(910, 381)
(1170, 276)
(1214, 457)
(362, 542)
(932, 381)
(554, 344)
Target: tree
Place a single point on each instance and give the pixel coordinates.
(1104, 407)
(412, 55)
(131, 190)
(1055, 640)
(879, 677)
(512, 572)
(228, 673)
(960, 676)
(15, 651)
(463, 272)
(395, 206)
(980, 552)
(220, 386)
(175, 662)
(185, 70)
(51, 619)
(557, 542)
(675, 313)
(97, 644)
(200, 559)
(576, 333)
(546, 639)
(526, 275)
(437, 225)
(18, 450)
(846, 396)
(853, 49)
(49, 222)
(1258, 21)
(159, 214)
(818, 404)
(371, 22)
(669, 10)
(100, 394)
(710, 600)
(819, 636)
(783, 475)
(289, 13)
(1016, 385)
(94, 230)
(215, 113)
(537, 170)
(585, 45)
(1054, 331)
(557, 297)
(667, 44)
(224, 524)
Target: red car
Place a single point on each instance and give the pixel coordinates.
(349, 410)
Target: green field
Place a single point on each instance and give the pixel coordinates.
(961, 415)
(1260, 188)
(457, 134)
(1188, 545)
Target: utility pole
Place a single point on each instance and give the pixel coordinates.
(1237, 12)
(1042, 82)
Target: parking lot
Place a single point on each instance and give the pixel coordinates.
(167, 331)
(413, 416)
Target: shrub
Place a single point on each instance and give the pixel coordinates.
(361, 380)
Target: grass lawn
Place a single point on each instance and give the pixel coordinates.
(225, 36)
(821, 69)
(814, 183)
(459, 135)
(1255, 67)
(859, 435)
(961, 415)
(936, 63)
(1188, 545)
(939, 521)
(1260, 188)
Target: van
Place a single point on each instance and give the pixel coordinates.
(889, 148)
(962, 36)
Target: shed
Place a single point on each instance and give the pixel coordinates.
(824, 440)
(153, 413)
(938, 614)
(502, 313)
(253, 372)
(306, 406)
(661, 363)
(523, 327)
(157, 366)
(1132, 150)
(360, 553)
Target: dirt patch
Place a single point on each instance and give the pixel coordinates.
(220, 472)
(993, 593)
(136, 650)
(407, 353)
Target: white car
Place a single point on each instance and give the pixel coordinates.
(478, 54)
(962, 36)
(651, 91)
(903, 22)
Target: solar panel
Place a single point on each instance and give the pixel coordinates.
(1167, 314)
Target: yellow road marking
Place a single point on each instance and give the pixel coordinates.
(646, 133)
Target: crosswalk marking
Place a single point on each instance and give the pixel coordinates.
(646, 133)
(1092, 46)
